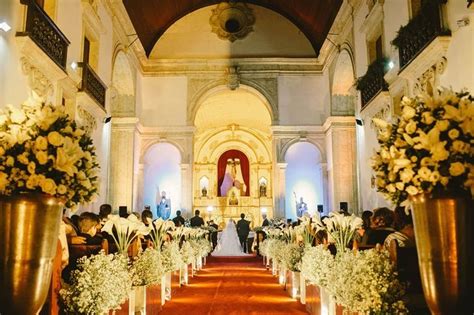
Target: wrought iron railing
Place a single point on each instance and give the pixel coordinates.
(373, 82)
(44, 32)
(419, 32)
(93, 85)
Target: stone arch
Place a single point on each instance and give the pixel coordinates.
(123, 86)
(287, 145)
(147, 145)
(213, 86)
(342, 98)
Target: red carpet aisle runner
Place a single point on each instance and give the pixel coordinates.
(233, 286)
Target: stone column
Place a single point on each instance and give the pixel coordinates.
(280, 188)
(324, 177)
(186, 190)
(122, 151)
(341, 162)
(138, 194)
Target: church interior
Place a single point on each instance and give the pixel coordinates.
(272, 109)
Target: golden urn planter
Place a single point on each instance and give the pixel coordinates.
(444, 232)
(29, 227)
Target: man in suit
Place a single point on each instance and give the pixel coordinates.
(265, 220)
(214, 234)
(178, 220)
(243, 230)
(197, 221)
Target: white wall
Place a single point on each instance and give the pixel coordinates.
(303, 100)
(163, 101)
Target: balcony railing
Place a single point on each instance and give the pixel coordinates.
(44, 32)
(373, 82)
(92, 85)
(419, 32)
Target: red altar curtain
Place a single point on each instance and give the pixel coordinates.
(244, 164)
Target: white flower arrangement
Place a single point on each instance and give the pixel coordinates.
(317, 264)
(146, 268)
(365, 282)
(101, 283)
(429, 148)
(124, 230)
(276, 250)
(291, 256)
(42, 150)
(159, 229)
(187, 253)
(341, 228)
(171, 257)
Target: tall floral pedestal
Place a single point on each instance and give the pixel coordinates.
(29, 225)
(274, 268)
(282, 275)
(165, 288)
(444, 233)
(204, 260)
(128, 307)
(190, 270)
(183, 275)
(302, 289)
(153, 299)
(293, 284)
(199, 263)
(175, 282)
(313, 299)
(140, 300)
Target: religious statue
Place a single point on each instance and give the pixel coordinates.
(233, 195)
(263, 189)
(233, 178)
(163, 206)
(204, 191)
(301, 208)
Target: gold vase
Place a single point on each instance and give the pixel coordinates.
(444, 232)
(29, 226)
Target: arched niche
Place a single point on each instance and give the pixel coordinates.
(343, 101)
(303, 178)
(162, 172)
(123, 87)
(226, 172)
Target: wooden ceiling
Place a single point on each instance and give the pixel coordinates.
(151, 18)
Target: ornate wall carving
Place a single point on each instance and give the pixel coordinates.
(86, 120)
(37, 81)
(429, 80)
(232, 20)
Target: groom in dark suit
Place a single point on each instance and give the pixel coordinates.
(243, 229)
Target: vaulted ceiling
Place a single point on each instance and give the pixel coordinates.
(151, 18)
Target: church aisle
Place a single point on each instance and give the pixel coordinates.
(244, 287)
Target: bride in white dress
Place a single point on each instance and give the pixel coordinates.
(229, 244)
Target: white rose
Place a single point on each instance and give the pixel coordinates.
(426, 161)
(408, 112)
(2, 151)
(23, 159)
(391, 188)
(456, 169)
(32, 182)
(10, 161)
(55, 138)
(412, 190)
(3, 181)
(434, 177)
(444, 180)
(3, 119)
(42, 157)
(16, 115)
(460, 146)
(62, 189)
(427, 118)
(411, 127)
(41, 143)
(81, 175)
(400, 186)
(442, 125)
(439, 152)
(453, 134)
(78, 132)
(48, 186)
(31, 167)
(424, 173)
(406, 175)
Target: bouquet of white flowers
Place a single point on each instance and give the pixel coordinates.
(429, 149)
(365, 282)
(158, 230)
(146, 268)
(341, 228)
(124, 230)
(187, 252)
(291, 256)
(171, 257)
(101, 283)
(43, 150)
(317, 265)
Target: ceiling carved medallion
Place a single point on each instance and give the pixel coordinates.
(232, 20)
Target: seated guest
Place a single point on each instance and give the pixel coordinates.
(405, 235)
(136, 214)
(197, 221)
(362, 233)
(381, 226)
(265, 220)
(104, 211)
(147, 217)
(88, 223)
(288, 222)
(178, 220)
(75, 221)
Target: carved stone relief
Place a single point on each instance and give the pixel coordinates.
(232, 20)
(429, 80)
(233, 78)
(384, 113)
(37, 81)
(86, 120)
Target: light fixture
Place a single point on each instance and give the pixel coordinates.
(210, 208)
(391, 64)
(263, 210)
(74, 65)
(5, 27)
(359, 122)
(107, 119)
